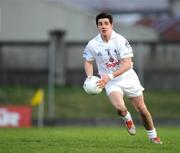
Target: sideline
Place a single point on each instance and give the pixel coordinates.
(103, 122)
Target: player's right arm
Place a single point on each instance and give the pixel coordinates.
(88, 67)
(88, 60)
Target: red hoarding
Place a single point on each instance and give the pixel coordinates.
(15, 116)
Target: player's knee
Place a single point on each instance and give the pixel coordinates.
(141, 109)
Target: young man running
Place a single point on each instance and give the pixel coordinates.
(112, 54)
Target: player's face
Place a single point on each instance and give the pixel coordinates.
(104, 27)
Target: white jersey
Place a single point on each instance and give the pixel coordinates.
(108, 56)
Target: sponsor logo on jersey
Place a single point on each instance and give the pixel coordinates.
(112, 64)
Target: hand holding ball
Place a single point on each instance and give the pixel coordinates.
(90, 85)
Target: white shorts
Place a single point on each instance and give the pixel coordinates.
(128, 85)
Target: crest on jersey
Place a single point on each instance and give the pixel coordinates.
(117, 53)
(111, 59)
(99, 54)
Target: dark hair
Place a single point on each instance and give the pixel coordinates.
(104, 15)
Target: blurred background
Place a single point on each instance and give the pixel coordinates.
(41, 46)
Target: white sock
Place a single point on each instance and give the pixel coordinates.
(127, 117)
(152, 133)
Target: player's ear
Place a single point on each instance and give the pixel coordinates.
(112, 25)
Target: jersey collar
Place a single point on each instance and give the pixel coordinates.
(113, 35)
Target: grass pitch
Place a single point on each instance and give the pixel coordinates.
(86, 140)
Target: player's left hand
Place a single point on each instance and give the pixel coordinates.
(101, 83)
(104, 80)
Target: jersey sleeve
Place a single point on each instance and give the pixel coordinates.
(125, 48)
(87, 54)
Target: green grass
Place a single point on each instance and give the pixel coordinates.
(86, 140)
(72, 102)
